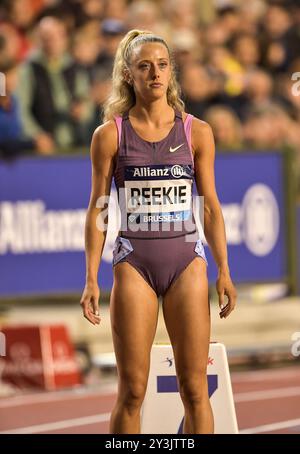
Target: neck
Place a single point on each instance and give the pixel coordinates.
(154, 112)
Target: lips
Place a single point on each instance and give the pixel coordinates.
(156, 85)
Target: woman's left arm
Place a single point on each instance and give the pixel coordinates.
(214, 228)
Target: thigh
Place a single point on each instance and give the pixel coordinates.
(134, 312)
(187, 317)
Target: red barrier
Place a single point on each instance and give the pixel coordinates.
(39, 356)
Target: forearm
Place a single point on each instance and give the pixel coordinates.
(214, 230)
(94, 244)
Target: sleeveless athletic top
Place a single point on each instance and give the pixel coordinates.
(154, 181)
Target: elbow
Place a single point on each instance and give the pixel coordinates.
(207, 210)
(212, 211)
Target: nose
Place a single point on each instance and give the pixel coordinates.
(155, 72)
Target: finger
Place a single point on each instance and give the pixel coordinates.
(96, 319)
(232, 300)
(91, 317)
(88, 314)
(231, 297)
(224, 310)
(227, 309)
(94, 316)
(85, 308)
(95, 305)
(94, 312)
(88, 311)
(221, 299)
(88, 317)
(223, 314)
(226, 313)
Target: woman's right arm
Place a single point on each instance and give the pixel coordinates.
(103, 151)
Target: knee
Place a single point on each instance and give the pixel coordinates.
(193, 389)
(132, 391)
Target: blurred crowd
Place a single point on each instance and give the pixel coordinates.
(238, 64)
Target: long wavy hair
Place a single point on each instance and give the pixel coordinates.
(122, 96)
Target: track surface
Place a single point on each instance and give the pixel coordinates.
(266, 401)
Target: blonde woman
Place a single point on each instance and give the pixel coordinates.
(154, 150)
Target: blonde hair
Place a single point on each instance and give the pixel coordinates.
(122, 96)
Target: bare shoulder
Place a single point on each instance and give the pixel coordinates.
(105, 140)
(202, 136)
(201, 133)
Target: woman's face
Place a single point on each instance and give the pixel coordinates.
(150, 70)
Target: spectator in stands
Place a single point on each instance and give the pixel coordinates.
(147, 15)
(270, 127)
(275, 45)
(226, 127)
(223, 62)
(86, 46)
(186, 49)
(92, 8)
(240, 55)
(12, 140)
(115, 9)
(246, 51)
(198, 88)
(251, 14)
(182, 15)
(22, 13)
(112, 31)
(100, 89)
(288, 90)
(259, 90)
(10, 44)
(54, 93)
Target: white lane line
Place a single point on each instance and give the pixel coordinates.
(276, 393)
(75, 422)
(272, 427)
(53, 396)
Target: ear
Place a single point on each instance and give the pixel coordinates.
(127, 76)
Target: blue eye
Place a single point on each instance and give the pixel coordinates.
(146, 66)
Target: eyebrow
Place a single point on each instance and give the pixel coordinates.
(149, 61)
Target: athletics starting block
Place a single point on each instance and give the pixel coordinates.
(162, 411)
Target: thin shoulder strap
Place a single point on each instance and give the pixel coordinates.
(118, 120)
(178, 114)
(188, 130)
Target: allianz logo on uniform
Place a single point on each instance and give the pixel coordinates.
(176, 171)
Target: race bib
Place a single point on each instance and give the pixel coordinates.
(158, 193)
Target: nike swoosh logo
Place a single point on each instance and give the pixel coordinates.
(174, 149)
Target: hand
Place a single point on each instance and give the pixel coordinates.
(90, 303)
(77, 110)
(225, 286)
(44, 144)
